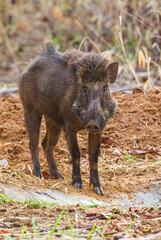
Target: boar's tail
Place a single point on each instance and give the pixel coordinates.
(49, 50)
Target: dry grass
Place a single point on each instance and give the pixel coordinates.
(135, 41)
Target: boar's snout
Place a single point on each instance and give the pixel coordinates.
(93, 127)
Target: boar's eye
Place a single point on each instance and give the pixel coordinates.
(104, 90)
(85, 90)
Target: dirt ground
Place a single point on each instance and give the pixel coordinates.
(137, 123)
(135, 127)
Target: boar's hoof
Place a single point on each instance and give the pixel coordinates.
(78, 185)
(98, 190)
(37, 173)
(56, 175)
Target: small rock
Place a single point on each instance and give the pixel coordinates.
(117, 134)
(116, 237)
(18, 149)
(1, 129)
(116, 152)
(3, 163)
(110, 127)
(148, 156)
(67, 237)
(112, 135)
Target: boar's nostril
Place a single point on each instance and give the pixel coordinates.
(93, 127)
(96, 128)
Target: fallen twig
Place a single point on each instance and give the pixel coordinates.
(8, 91)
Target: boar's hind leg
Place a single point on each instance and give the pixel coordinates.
(33, 120)
(48, 143)
(44, 141)
(74, 150)
(94, 146)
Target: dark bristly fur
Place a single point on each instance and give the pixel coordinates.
(92, 68)
(49, 50)
(71, 90)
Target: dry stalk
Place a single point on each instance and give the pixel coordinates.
(124, 52)
(87, 36)
(104, 41)
(30, 169)
(151, 11)
(99, 36)
(148, 61)
(151, 83)
(139, 20)
(139, 43)
(80, 45)
(156, 64)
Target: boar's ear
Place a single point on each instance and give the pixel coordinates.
(112, 71)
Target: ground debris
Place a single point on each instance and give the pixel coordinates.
(116, 224)
(127, 173)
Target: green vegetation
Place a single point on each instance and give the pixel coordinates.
(93, 204)
(31, 203)
(130, 158)
(34, 203)
(4, 199)
(55, 226)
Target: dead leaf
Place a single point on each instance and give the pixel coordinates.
(57, 13)
(22, 26)
(91, 214)
(108, 141)
(3, 210)
(27, 171)
(143, 151)
(137, 90)
(144, 216)
(45, 175)
(4, 232)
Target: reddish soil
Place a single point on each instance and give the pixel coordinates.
(137, 120)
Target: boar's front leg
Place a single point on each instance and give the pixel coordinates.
(93, 148)
(74, 150)
(33, 120)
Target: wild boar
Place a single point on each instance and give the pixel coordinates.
(71, 90)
